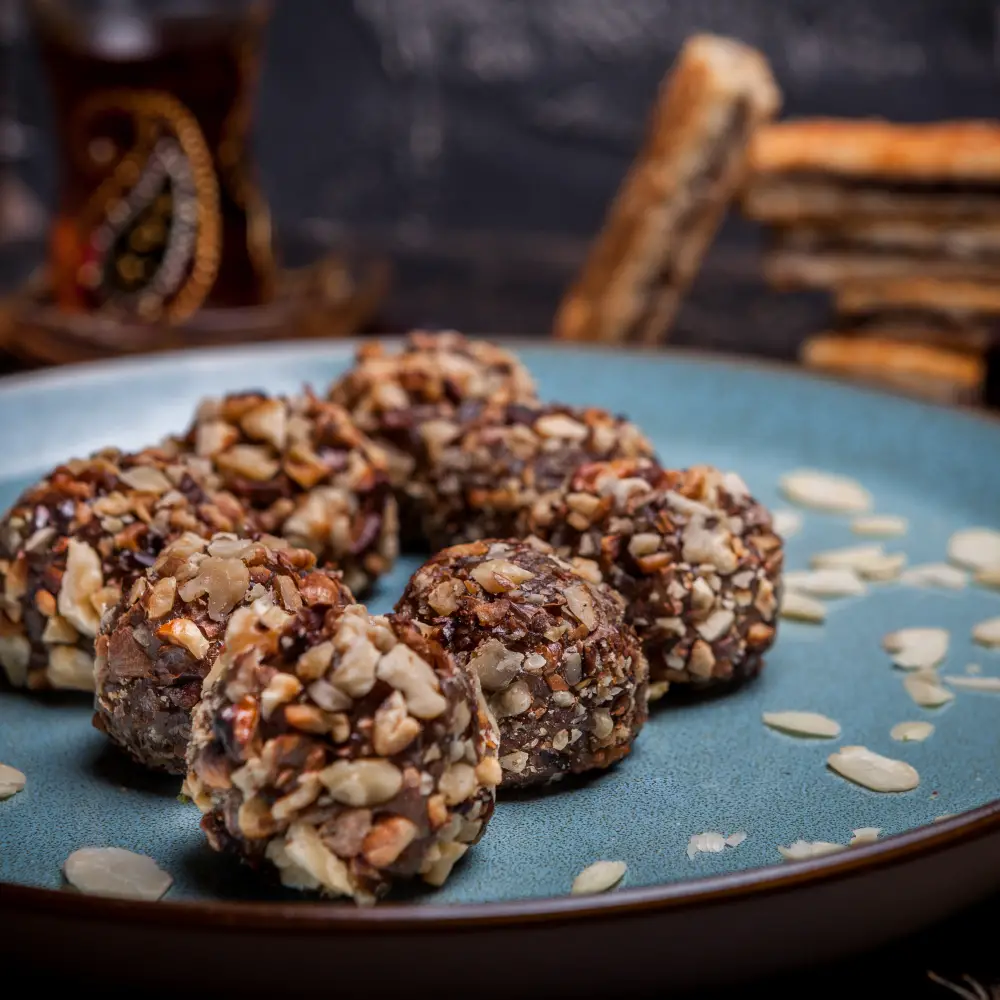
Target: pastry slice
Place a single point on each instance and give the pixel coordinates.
(672, 201)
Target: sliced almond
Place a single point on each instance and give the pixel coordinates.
(880, 525)
(923, 687)
(873, 771)
(833, 582)
(935, 575)
(787, 523)
(987, 633)
(735, 839)
(887, 567)
(989, 577)
(975, 548)
(11, 781)
(802, 723)
(801, 608)
(598, 877)
(113, 871)
(974, 683)
(864, 835)
(911, 732)
(710, 842)
(917, 648)
(802, 849)
(849, 557)
(825, 491)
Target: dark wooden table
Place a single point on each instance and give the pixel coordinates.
(463, 284)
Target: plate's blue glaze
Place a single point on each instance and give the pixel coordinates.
(703, 766)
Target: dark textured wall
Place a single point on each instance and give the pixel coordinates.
(479, 140)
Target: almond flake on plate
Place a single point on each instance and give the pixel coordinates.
(712, 842)
(987, 633)
(880, 525)
(873, 771)
(975, 548)
(974, 683)
(786, 522)
(917, 648)
(825, 491)
(848, 557)
(887, 567)
(802, 723)
(801, 608)
(833, 582)
(864, 835)
(925, 689)
(911, 732)
(989, 577)
(598, 877)
(935, 575)
(11, 781)
(802, 849)
(113, 871)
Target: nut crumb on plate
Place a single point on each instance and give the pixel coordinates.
(11, 781)
(873, 771)
(912, 732)
(800, 850)
(917, 648)
(880, 525)
(825, 491)
(987, 633)
(973, 683)
(924, 687)
(864, 835)
(113, 871)
(975, 548)
(598, 877)
(799, 607)
(830, 582)
(802, 723)
(712, 842)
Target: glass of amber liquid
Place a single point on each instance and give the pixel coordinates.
(159, 214)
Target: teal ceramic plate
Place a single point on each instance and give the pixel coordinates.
(707, 765)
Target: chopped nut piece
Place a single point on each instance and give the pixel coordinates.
(598, 877)
(880, 525)
(787, 523)
(184, 633)
(864, 835)
(160, 599)
(70, 667)
(407, 672)
(82, 578)
(705, 843)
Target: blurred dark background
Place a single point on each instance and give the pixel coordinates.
(477, 142)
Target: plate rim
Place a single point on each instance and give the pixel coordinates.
(292, 917)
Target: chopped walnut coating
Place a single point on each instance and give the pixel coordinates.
(162, 640)
(74, 542)
(347, 750)
(694, 555)
(478, 473)
(308, 473)
(564, 674)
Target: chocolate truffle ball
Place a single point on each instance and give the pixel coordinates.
(308, 473)
(347, 750)
(390, 394)
(478, 477)
(75, 541)
(694, 555)
(160, 642)
(564, 674)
